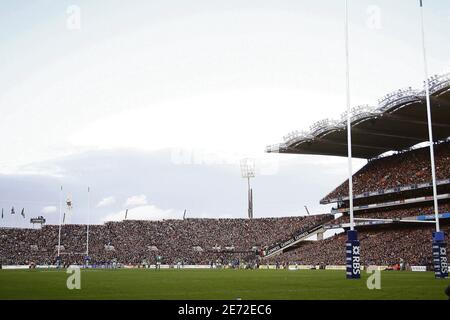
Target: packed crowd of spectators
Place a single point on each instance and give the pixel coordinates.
(207, 241)
(379, 247)
(401, 169)
(190, 241)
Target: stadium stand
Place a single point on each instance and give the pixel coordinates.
(193, 241)
(379, 246)
(401, 169)
(386, 243)
(395, 183)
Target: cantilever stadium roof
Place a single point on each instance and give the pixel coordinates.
(397, 123)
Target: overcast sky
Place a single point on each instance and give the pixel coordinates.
(153, 103)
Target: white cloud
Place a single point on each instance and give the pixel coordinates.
(48, 209)
(188, 130)
(106, 202)
(135, 201)
(145, 212)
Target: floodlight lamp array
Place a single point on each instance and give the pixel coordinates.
(248, 168)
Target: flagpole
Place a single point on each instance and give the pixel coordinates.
(60, 213)
(12, 212)
(430, 127)
(349, 127)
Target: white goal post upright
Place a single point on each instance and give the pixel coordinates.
(349, 119)
(430, 127)
(439, 246)
(352, 246)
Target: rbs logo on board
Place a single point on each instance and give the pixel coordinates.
(444, 265)
(356, 261)
(444, 261)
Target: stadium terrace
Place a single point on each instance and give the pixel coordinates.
(394, 192)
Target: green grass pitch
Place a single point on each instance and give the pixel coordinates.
(217, 284)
